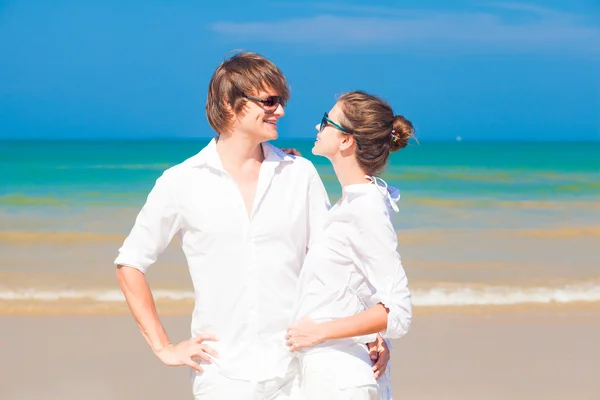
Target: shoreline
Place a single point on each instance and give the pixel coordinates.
(185, 308)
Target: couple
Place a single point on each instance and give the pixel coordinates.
(290, 293)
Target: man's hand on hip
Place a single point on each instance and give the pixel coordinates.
(380, 355)
(184, 353)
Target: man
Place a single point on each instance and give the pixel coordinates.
(245, 213)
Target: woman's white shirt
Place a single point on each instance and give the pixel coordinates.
(354, 264)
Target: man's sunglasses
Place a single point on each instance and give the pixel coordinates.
(325, 120)
(270, 103)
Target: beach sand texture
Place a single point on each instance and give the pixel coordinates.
(445, 356)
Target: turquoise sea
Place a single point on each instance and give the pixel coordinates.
(435, 179)
(479, 223)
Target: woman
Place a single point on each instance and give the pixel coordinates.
(352, 284)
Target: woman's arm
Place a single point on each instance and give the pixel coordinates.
(307, 333)
(375, 247)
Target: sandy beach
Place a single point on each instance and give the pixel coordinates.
(533, 355)
(66, 333)
(503, 266)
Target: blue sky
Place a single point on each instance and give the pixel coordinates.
(139, 69)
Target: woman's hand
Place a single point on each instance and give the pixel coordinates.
(291, 151)
(304, 333)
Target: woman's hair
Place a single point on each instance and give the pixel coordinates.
(375, 127)
(244, 73)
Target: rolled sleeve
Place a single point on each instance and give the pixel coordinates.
(154, 228)
(375, 245)
(366, 339)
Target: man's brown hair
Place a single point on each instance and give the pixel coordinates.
(243, 74)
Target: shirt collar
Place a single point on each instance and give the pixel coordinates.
(209, 157)
(390, 193)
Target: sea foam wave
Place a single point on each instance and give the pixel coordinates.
(505, 295)
(93, 295)
(433, 297)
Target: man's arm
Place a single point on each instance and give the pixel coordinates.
(154, 228)
(139, 298)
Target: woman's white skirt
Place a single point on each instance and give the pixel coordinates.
(341, 373)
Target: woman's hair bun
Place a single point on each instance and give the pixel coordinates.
(402, 131)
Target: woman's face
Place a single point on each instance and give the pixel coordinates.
(329, 137)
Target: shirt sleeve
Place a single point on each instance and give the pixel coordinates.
(375, 246)
(154, 228)
(318, 205)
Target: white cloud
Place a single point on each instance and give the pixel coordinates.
(542, 29)
(522, 7)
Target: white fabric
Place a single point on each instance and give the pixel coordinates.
(338, 375)
(384, 384)
(244, 270)
(212, 385)
(391, 193)
(354, 265)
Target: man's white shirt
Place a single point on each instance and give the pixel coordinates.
(244, 268)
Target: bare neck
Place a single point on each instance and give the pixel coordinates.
(238, 152)
(348, 171)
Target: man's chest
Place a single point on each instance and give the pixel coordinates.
(217, 205)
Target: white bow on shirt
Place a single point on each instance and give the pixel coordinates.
(391, 193)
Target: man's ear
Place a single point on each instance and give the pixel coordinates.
(227, 105)
(231, 115)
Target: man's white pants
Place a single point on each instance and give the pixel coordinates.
(211, 385)
(328, 376)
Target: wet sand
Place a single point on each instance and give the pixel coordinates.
(516, 257)
(535, 355)
(71, 272)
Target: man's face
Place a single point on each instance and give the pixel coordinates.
(257, 120)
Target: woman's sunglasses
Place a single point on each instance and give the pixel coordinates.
(325, 120)
(270, 104)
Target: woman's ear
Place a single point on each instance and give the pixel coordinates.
(346, 143)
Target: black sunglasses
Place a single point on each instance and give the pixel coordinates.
(325, 120)
(270, 103)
